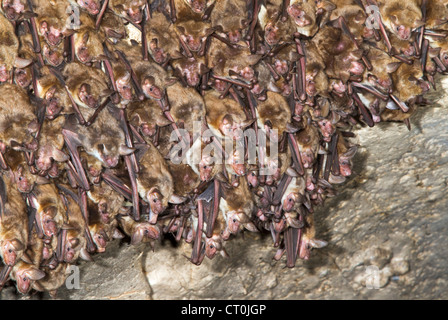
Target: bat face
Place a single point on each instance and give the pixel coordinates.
(73, 245)
(51, 142)
(88, 46)
(8, 48)
(25, 274)
(155, 200)
(92, 6)
(13, 8)
(53, 36)
(88, 86)
(401, 18)
(145, 232)
(99, 236)
(23, 77)
(190, 69)
(198, 6)
(130, 9)
(12, 250)
(113, 27)
(161, 44)
(304, 16)
(146, 116)
(193, 34)
(408, 81)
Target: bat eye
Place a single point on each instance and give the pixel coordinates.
(10, 250)
(146, 231)
(211, 246)
(234, 220)
(25, 279)
(253, 174)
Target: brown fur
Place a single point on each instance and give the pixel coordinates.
(9, 44)
(395, 13)
(146, 112)
(187, 110)
(187, 179)
(404, 87)
(78, 74)
(16, 115)
(223, 59)
(14, 220)
(113, 27)
(276, 110)
(88, 42)
(122, 7)
(230, 15)
(154, 173)
(217, 109)
(161, 31)
(102, 139)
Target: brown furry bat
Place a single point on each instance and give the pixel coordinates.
(13, 223)
(162, 46)
(88, 86)
(155, 183)
(128, 9)
(400, 17)
(16, 114)
(51, 20)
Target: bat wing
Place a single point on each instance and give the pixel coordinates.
(3, 197)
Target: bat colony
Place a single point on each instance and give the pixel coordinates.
(86, 116)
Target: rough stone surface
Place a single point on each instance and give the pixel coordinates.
(387, 233)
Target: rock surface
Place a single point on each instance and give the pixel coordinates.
(386, 231)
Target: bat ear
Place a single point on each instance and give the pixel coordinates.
(180, 29)
(124, 150)
(247, 123)
(318, 243)
(59, 155)
(74, 242)
(117, 234)
(291, 172)
(209, 31)
(26, 258)
(292, 128)
(351, 152)
(85, 37)
(85, 255)
(21, 63)
(17, 245)
(251, 227)
(392, 67)
(336, 179)
(434, 52)
(345, 76)
(137, 236)
(35, 274)
(162, 121)
(419, 23)
(177, 199)
(224, 253)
